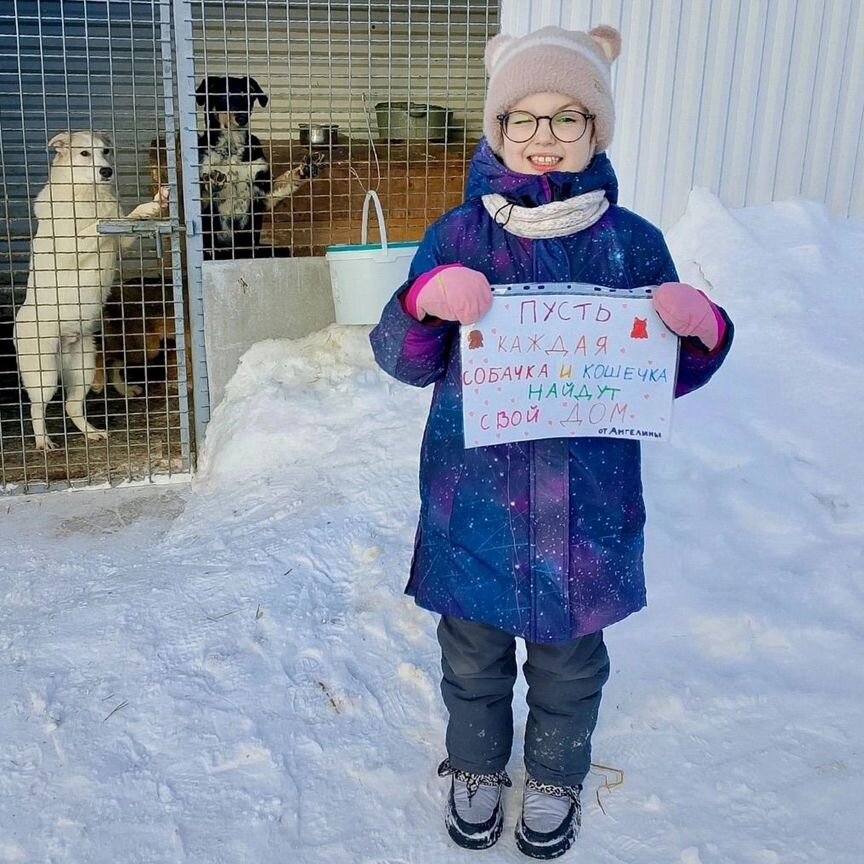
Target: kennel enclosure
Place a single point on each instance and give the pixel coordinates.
(333, 73)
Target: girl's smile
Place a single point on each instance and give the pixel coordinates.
(544, 162)
(543, 152)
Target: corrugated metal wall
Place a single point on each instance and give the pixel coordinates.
(757, 100)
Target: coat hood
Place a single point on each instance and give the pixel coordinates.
(489, 174)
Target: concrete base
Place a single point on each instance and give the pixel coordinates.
(266, 298)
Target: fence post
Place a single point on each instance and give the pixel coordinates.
(188, 124)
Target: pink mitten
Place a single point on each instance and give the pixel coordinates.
(688, 312)
(450, 292)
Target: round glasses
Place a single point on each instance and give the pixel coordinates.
(566, 126)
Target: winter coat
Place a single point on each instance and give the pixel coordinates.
(542, 539)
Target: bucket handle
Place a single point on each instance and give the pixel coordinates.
(372, 195)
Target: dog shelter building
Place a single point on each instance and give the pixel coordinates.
(177, 319)
(757, 100)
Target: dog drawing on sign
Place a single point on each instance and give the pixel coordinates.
(72, 267)
(237, 188)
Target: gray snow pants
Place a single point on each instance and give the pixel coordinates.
(564, 686)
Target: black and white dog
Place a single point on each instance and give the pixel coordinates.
(237, 188)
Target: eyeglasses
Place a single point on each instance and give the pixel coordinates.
(566, 126)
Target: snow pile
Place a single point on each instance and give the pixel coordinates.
(280, 695)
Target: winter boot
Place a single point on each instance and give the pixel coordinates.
(474, 814)
(550, 821)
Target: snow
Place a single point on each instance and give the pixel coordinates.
(228, 671)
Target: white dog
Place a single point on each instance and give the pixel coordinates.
(72, 268)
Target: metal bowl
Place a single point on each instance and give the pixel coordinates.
(412, 121)
(316, 134)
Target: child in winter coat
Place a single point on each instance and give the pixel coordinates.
(541, 540)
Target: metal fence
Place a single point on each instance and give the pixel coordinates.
(341, 96)
(93, 376)
(258, 127)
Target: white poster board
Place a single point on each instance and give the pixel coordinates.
(557, 361)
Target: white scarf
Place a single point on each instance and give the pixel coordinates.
(557, 219)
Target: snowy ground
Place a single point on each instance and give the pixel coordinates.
(229, 672)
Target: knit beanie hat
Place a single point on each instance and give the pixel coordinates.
(552, 60)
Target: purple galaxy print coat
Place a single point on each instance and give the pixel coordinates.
(541, 539)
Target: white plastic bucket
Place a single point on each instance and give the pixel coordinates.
(364, 277)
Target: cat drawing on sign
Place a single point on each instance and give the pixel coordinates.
(475, 339)
(640, 328)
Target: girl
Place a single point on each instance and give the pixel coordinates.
(541, 540)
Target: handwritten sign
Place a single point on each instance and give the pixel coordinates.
(549, 365)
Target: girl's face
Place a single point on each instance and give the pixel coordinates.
(544, 152)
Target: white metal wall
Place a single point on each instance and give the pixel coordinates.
(757, 100)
